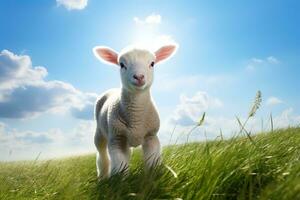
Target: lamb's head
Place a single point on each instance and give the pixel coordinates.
(136, 64)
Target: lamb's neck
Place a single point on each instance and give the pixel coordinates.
(135, 105)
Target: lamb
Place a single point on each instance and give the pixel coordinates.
(127, 117)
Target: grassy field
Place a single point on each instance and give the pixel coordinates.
(266, 168)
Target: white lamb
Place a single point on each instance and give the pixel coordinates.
(127, 117)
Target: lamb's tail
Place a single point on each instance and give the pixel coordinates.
(99, 103)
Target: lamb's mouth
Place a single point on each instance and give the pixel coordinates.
(139, 84)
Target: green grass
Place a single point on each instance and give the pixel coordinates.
(266, 168)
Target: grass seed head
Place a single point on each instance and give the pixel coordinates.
(201, 121)
(256, 104)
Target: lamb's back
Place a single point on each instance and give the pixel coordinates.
(102, 107)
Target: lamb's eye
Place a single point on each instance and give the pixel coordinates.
(123, 66)
(152, 64)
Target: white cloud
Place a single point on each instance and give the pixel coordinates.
(84, 132)
(24, 92)
(17, 70)
(187, 113)
(272, 60)
(271, 101)
(257, 60)
(190, 109)
(288, 118)
(85, 110)
(72, 4)
(149, 20)
(19, 145)
(254, 63)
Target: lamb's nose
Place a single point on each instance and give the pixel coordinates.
(139, 77)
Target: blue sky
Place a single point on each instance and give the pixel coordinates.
(49, 77)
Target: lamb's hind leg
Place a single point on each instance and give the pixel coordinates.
(102, 159)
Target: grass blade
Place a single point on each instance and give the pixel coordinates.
(272, 125)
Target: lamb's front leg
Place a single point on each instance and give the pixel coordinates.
(151, 149)
(119, 154)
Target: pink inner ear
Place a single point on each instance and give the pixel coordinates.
(108, 55)
(164, 52)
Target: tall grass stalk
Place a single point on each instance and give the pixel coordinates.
(252, 112)
(200, 123)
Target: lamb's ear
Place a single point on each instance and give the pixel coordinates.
(165, 52)
(106, 54)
